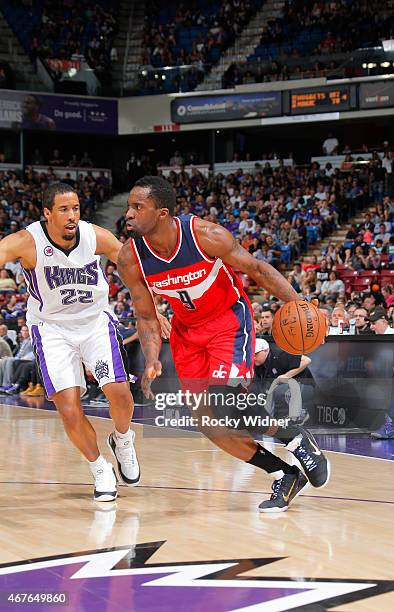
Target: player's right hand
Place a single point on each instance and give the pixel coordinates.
(152, 370)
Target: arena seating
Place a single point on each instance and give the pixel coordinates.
(183, 36)
(58, 30)
(313, 40)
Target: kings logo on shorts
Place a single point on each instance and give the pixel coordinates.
(101, 369)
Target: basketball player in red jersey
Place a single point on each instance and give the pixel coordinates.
(190, 262)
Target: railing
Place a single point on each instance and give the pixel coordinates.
(127, 47)
(74, 172)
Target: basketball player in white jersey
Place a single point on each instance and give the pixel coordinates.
(71, 324)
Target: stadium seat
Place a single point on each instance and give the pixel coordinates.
(348, 274)
(369, 273)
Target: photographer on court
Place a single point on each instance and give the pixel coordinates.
(291, 381)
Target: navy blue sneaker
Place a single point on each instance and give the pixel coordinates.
(284, 491)
(315, 465)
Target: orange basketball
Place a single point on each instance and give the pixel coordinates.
(299, 327)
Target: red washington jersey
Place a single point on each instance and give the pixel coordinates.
(198, 287)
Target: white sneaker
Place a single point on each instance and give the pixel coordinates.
(126, 458)
(105, 483)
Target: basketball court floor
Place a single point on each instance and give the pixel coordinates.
(190, 537)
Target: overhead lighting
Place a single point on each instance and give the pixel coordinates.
(156, 76)
(163, 76)
(371, 65)
(385, 65)
(365, 66)
(144, 73)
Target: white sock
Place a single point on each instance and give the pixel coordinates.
(100, 463)
(121, 437)
(277, 475)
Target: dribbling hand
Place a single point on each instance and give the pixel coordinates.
(151, 372)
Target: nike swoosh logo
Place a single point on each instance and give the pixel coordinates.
(317, 450)
(287, 497)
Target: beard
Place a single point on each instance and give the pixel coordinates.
(68, 237)
(134, 234)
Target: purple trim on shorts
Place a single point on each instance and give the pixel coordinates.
(36, 289)
(111, 317)
(50, 389)
(119, 371)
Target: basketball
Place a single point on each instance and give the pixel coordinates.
(299, 327)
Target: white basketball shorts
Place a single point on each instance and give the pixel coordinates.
(62, 349)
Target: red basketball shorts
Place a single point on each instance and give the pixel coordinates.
(219, 352)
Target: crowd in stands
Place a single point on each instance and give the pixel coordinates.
(215, 26)
(21, 195)
(189, 34)
(313, 39)
(66, 29)
(246, 72)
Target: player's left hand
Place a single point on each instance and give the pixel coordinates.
(151, 372)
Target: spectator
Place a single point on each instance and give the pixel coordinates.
(7, 284)
(373, 260)
(8, 381)
(86, 162)
(356, 261)
(266, 319)
(388, 295)
(332, 288)
(362, 326)
(379, 322)
(338, 318)
(176, 159)
(383, 234)
(5, 350)
(330, 145)
(4, 336)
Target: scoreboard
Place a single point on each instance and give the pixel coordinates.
(320, 100)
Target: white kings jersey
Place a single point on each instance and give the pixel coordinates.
(66, 286)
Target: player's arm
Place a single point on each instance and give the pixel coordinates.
(107, 244)
(304, 363)
(148, 326)
(218, 242)
(19, 246)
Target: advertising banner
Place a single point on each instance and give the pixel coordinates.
(227, 107)
(376, 95)
(23, 110)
